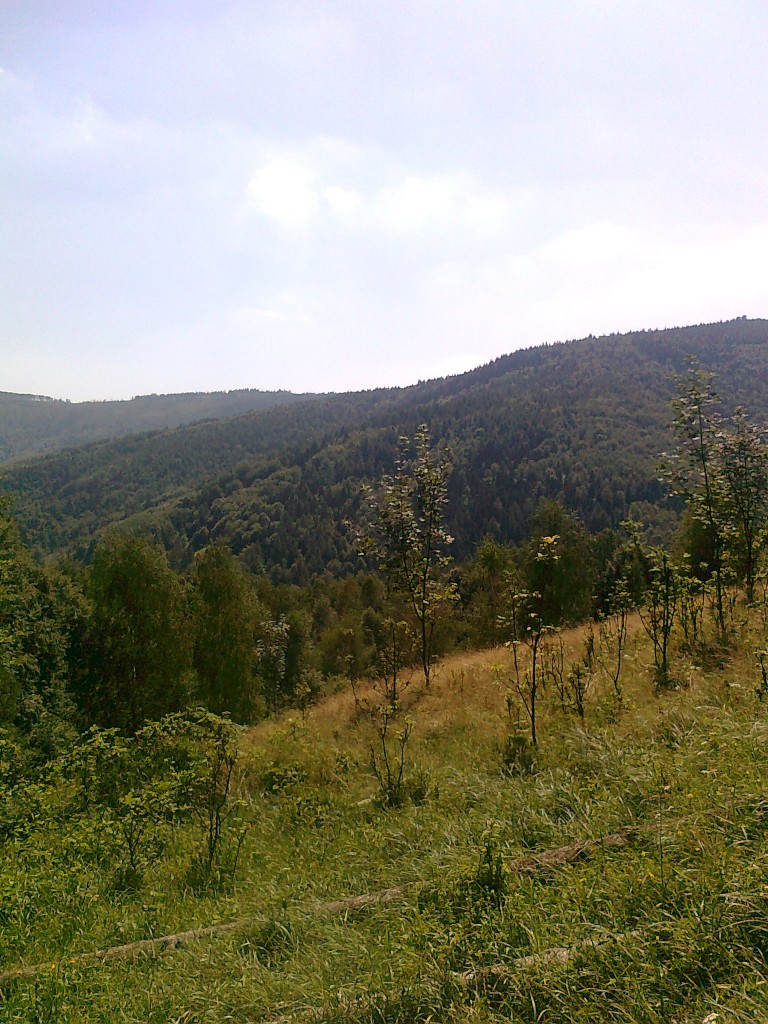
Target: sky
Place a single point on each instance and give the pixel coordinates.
(201, 195)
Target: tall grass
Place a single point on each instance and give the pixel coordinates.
(668, 927)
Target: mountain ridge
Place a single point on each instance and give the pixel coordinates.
(32, 425)
(581, 421)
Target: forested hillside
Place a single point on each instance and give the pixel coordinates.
(264, 801)
(581, 422)
(33, 424)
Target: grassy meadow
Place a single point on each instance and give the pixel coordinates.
(651, 907)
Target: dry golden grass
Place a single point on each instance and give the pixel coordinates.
(471, 707)
(507, 884)
(467, 695)
(472, 698)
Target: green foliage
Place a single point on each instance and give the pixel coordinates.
(742, 462)
(138, 639)
(30, 424)
(140, 787)
(483, 587)
(491, 877)
(408, 538)
(126, 782)
(693, 594)
(581, 423)
(38, 609)
(382, 708)
(559, 565)
(720, 467)
(270, 942)
(762, 687)
(132, 832)
(623, 577)
(210, 789)
(659, 615)
(669, 925)
(529, 628)
(271, 659)
(392, 654)
(226, 621)
(517, 755)
(581, 675)
(279, 777)
(388, 757)
(391, 730)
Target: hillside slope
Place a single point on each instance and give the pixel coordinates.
(618, 874)
(582, 422)
(34, 424)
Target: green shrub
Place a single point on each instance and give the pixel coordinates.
(518, 756)
(278, 778)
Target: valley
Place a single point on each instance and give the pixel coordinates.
(436, 703)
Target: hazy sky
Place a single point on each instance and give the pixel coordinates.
(206, 194)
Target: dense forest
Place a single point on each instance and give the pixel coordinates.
(581, 423)
(263, 585)
(32, 424)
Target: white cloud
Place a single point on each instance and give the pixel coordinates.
(251, 317)
(598, 278)
(306, 189)
(439, 183)
(344, 202)
(415, 204)
(594, 247)
(264, 318)
(419, 205)
(284, 191)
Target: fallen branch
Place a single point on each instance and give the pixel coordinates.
(473, 978)
(361, 902)
(128, 949)
(549, 859)
(531, 864)
(178, 939)
(558, 954)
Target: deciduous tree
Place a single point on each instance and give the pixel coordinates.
(409, 539)
(692, 468)
(226, 617)
(138, 636)
(743, 468)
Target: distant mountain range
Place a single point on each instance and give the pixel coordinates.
(581, 421)
(34, 424)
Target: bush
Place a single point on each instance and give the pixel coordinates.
(278, 778)
(517, 755)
